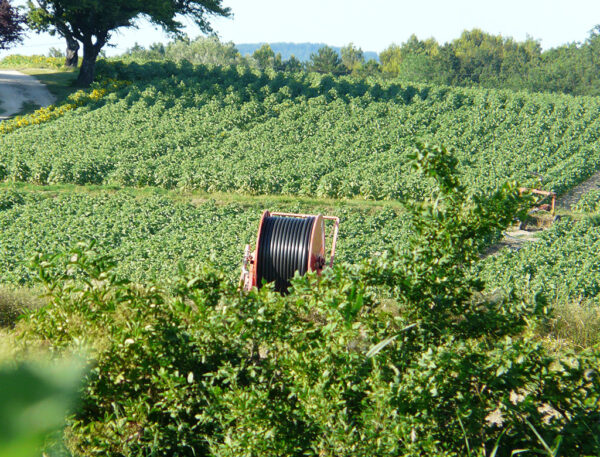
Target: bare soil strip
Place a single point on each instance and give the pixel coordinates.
(568, 200)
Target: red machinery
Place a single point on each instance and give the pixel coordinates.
(550, 207)
(287, 243)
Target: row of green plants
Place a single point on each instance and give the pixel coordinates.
(589, 202)
(150, 235)
(399, 354)
(75, 100)
(238, 130)
(562, 263)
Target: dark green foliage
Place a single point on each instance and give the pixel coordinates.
(392, 356)
(486, 60)
(326, 60)
(476, 58)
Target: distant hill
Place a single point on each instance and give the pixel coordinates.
(301, 51)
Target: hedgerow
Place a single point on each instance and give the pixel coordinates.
(395, 355)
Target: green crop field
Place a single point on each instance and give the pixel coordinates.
(150, 235)
(234, 130)
(129, 205)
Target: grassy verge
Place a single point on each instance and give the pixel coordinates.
(28, 108)
(575, 323)
(197, 198)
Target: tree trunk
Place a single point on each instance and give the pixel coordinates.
(72, 59)
(88, 64)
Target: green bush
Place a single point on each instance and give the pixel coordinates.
(397, 355)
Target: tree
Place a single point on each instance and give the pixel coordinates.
(326, 60)
(204, 51)
(414, 60)
(11, 25)
(391, 57)
(92, 22)
(292, 64)
(352, 57)
(370, 68)
(264, 57)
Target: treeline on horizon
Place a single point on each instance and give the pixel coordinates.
(301, 51)
(476, 58)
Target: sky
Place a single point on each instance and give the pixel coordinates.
(372, 25)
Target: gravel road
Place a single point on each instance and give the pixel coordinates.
(17, 88)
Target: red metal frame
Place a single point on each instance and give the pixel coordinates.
(544, 193)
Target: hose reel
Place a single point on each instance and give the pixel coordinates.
(287, 243)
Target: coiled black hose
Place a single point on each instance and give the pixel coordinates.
(283, 249)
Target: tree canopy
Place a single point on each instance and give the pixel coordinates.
(93, 21)
(326, 60)
(486, 60)
(11, 25)
(352, 57)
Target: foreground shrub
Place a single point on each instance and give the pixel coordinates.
(35, 397)
(395, 356)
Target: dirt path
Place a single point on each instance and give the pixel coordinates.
(513, 239)
(568, 200)
(16, 89)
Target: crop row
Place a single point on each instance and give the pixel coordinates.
(149, 236)
(235, 130)
(562, 264)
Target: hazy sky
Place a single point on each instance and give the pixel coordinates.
(372, 25)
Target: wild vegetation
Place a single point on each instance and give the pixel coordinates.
(476, 58)
(486, 60)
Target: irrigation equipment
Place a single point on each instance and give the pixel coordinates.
(287, 243)
(542, 203)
